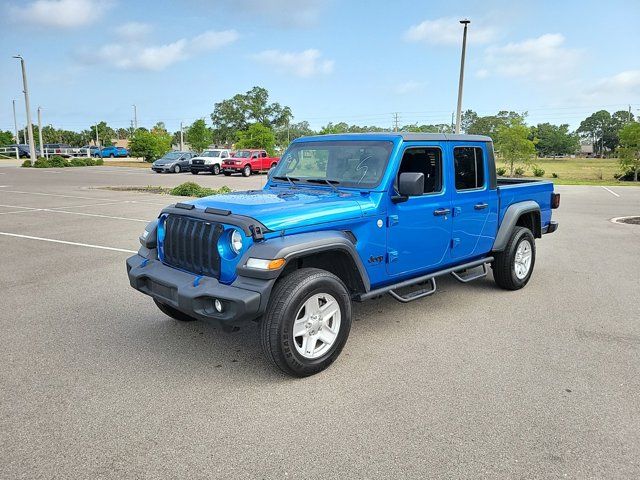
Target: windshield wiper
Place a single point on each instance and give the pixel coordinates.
(289, 179)
(331, 183)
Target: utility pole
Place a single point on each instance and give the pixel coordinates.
(135, 117)
(629, 113)
(452, 121)
(465, 22)
(97, 139)
(40, 131)
(181, 137)
(15, 123)
(395, 122)
(32, 147)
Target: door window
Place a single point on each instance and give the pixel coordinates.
(469, 167)
(427, 161)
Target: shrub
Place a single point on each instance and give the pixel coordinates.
(89, 162)
(519, 171)
(501, 171)
(99, 161)
(42, 163)
(77, 162)
(191, 189)
(555, 175)
(56, 161)
(537, 171)
(26, 163)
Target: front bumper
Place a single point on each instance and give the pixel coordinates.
(202, 167)
(232, 168)
(195, 295)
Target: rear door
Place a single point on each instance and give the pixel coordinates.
(265, 163)
(474, 201)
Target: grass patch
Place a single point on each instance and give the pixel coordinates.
(129, 163)
(187, 189)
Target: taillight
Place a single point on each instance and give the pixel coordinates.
(555, 200)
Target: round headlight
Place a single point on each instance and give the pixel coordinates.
(236, 241)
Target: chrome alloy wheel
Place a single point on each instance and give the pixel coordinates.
(317, 325)
(522, 259)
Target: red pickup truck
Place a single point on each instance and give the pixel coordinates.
(248, 162)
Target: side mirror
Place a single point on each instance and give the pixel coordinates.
(410, 184)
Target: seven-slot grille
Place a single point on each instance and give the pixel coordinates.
(191, 244)
(197, 162)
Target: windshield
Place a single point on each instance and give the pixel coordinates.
(351, 163)
(211, 153)
(243, 154)
(171, 156)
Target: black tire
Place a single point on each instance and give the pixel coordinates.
(194, 172)
(216, 169)
(227, 174)
(173, 313)
(246, 171)
(112, 155)
(504, 272)
(287, 297)
(176, 169)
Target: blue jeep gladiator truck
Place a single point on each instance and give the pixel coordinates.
(342, 218)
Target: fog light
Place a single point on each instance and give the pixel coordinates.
(218, 304)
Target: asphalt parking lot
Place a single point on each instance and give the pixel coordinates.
(473, 382)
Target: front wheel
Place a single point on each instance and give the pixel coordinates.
(194, 172)
(307, 322)
(512, 268)
(173, 313)
(216, 169)
(112, 156)
(246, 171)
(176, 169)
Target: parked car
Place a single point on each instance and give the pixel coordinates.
(112, 152)
(23, 149)
(175, 162)
(93, 150)
(248, 162)
(210, 161)
(62, 149)
(343, 218)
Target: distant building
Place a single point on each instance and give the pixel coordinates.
(586, 149)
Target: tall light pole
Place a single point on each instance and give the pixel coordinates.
(97, 139)
(181, 137)
(32, 147)
(40, 131)
(465, 22)
(15, 122)
(135, 117)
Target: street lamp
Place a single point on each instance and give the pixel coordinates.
(465, 22)
(135, 117)
(32, 147)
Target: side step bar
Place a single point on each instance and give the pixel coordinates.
(427, 278)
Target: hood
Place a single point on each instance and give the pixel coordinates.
(282, 208)
(164, 161)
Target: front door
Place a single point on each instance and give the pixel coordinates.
(419, 229)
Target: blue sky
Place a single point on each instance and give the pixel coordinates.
(329, 60)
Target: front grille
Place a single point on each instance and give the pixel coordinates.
(191, 244)
(197, 162)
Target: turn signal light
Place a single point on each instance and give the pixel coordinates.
(265, 264)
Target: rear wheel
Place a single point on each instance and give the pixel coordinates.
(512, 268)
(246, 171)
(307, 322)
(173, 313)
(216, 169)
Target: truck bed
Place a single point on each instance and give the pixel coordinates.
(513, 190)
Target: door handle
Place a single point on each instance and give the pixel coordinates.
(480, 206)
(441, 212)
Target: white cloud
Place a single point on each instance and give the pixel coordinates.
(448, 31)
(410, 86)
(544, 58)
(133, 30)
(139, 56)
(623, 83)
(302, 64)
(60, 13)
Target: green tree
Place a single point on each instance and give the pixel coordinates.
(490, 124)
(257, 136)
(285, 134)
(513, 143)
(629, 150)
(603, 129)
(149, 145)
(241, 110)
(105, 133)
(198, 135)
(552, 140)
(6, 138)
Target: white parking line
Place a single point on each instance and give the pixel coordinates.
(49, 194)
(610, 191)
(64, 242)
(95, 215)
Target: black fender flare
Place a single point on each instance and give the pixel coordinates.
(511, 216)
(298, 245)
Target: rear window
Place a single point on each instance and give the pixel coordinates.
(469, 167)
